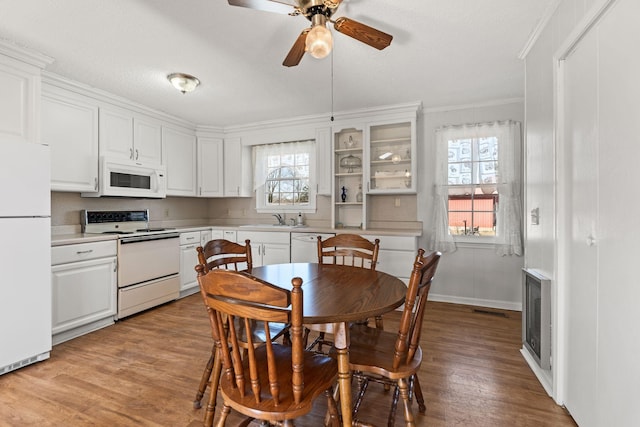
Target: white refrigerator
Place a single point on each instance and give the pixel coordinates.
(25, 254)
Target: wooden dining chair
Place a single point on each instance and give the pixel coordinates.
(394, 358)
(273, 382)
(344, 249)
(225, 254)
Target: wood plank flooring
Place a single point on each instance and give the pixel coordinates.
(144, 371)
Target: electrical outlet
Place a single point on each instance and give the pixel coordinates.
(397, 202)
(244, 212)
(166, 213)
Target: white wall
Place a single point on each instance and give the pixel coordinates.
(472, 274)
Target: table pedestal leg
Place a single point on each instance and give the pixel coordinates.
(341, 342)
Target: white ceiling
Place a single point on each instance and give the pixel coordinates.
(444, 52)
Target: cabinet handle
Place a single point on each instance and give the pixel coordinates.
(95, 183)
(84, 252)
(131, 153)
(190, 238)
(115, 265)
(201, 191)
(264, 250)
(190, 247)
(136, 154)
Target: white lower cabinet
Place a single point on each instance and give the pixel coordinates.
(189, 241)
(396, 255)
(267, 247)
(84, 284)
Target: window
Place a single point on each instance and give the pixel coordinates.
(473, 199)
(285, 177)
(477, 187)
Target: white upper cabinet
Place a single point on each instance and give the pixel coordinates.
(179, 148)
(390, 166)
(20, 93)
(210, 167)
(147, 140)
(70, 129)
(238, 174)
(125, 135)
(323, 160)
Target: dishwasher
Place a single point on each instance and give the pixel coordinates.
(304, 246)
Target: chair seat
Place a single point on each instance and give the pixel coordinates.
(320, 372)
(371, 351)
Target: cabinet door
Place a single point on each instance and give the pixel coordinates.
(323, 160)
(275, 253)
(238, 175)
(116, 133)
(83, 292)
(210, 167)
(70, 129)
(179, 156)
(147, 140)
(391, 153)
(188, 261)
(19, 103)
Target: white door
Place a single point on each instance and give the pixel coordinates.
(602, 151)
(581, 141)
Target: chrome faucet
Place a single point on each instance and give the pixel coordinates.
(280, 218)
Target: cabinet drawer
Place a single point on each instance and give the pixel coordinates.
(396, 243)
(264, 237)
(190, 237)
(82, 252)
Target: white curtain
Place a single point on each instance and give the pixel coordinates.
(508, 239)
(260, 153)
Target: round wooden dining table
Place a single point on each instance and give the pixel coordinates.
(338, 294)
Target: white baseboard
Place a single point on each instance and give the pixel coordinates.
(543, 375)
(504, 305)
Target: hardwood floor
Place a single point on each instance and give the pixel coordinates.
(144, 371)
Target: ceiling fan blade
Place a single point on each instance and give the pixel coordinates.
(297, 50)
(364, 33)
(277, 6)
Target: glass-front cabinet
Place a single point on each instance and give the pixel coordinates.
(390, 166)
(373, 155)
(348, 193)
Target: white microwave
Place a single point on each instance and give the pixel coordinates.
(128, 178)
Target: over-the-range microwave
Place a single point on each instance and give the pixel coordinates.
(128, 178)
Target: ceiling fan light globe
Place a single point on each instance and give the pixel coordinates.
(319, 42)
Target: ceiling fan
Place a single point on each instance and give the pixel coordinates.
(317, 39)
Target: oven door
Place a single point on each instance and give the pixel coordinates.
(147, 257)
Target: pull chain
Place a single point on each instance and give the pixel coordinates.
(332, 85)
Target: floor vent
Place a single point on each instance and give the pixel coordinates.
(491, 312)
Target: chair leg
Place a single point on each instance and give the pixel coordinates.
(404, 394)
(394, 405)
(223, 416)
(332, 417)
(379, 323)
(213, 391)
(422, 408)
(204, 381)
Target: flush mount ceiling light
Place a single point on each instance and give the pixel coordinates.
(183, 82)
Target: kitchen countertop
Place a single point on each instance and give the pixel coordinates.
(68, 238)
